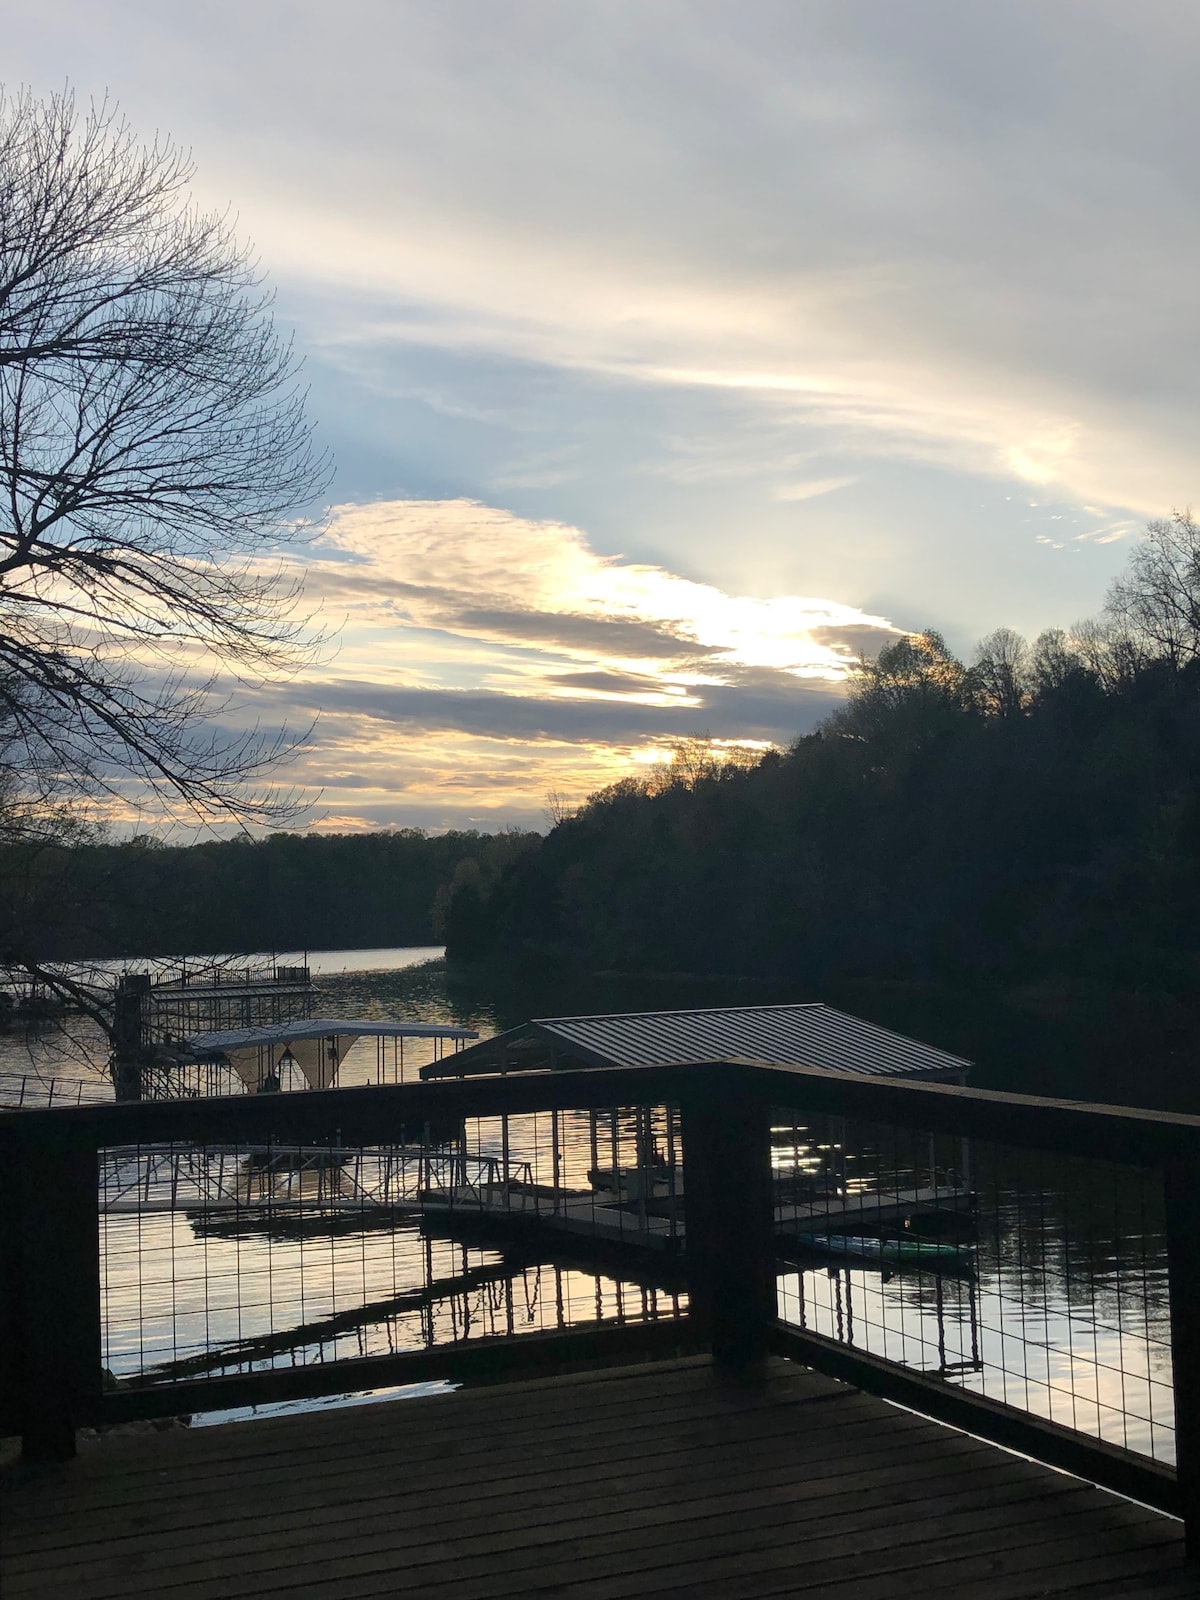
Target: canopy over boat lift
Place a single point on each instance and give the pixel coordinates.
(316, 1047)
(810, 1035)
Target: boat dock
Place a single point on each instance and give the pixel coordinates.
(662, 1227)
(637, 1198)
(245, 1180)
(562, 1211)
(870, 1208)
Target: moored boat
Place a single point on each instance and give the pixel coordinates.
(893, 1252)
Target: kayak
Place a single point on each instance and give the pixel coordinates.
(916, 1251)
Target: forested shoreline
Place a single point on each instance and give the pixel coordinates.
(921, 834)
(288, 891)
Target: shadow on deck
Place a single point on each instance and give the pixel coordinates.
(661, 1479)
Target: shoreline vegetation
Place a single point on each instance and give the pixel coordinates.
(141, 898)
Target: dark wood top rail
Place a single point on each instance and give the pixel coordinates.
(373, 1113)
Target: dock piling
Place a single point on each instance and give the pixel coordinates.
(729, 1243)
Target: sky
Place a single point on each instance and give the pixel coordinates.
(671, 354)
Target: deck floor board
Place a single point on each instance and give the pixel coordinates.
(523, 1507)
(663, 1479)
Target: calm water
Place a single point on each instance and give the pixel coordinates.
(1064, 1312)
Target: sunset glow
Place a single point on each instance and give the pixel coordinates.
(795, 331)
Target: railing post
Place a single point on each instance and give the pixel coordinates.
(56, 1258)
(728, 1212)
(10, 1310)
(1181, 1192)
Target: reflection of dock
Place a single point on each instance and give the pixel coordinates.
(482, 1298)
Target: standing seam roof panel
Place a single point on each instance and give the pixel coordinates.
(809, 1035)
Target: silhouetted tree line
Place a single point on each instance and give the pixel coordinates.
(289, 891)
(1032, 813)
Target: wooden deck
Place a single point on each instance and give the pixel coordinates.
(656, 1480)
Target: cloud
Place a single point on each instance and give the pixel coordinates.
(625, 684)
(487, 659)
(857, 640)
(778, 301)
(1109, 532)
(476, 571)
(529, 609)
(672, 272)
(913, 250)
(812, 489)
(768, 710)
(966, 232)
(602, 636)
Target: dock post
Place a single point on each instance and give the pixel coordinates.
(729, 1213)
(1180, 1192)
(129, 1035)
(11, 1320)
(57, 1257)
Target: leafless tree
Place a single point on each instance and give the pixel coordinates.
(696, 757)
(1110, 651)
(1054, 661)
(558, 808)
(1156, 600)
(154, 462)
(1001, 673)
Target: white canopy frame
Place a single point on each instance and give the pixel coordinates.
(270, 1058)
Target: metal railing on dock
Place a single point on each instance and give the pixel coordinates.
(1026, 1269)
(31, 1091)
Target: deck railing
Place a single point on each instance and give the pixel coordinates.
(19, 1091)
(1057, 1310)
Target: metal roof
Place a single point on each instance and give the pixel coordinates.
(812, 1035)
(325, 1028)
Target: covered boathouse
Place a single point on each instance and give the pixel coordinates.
(633, 1183)
(809, 1035)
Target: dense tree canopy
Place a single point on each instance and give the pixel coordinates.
(286, 892)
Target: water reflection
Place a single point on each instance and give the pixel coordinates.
(1063, 1314)
(195, 1297)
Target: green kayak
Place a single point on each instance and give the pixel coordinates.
(917, 1251)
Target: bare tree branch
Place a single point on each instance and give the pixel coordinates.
(1156, 600)
(154, 461)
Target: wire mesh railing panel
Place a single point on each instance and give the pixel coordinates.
(613, 1175)
(1037, 1280)
(229, 1258)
